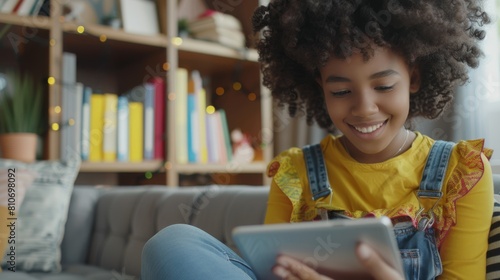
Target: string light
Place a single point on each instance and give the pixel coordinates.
(57, 109)
(210, 109)
(236, 85)
(103, 38)
(219, 91)
(177, 41)
(51, 81)
(55, 126)
(80, 29)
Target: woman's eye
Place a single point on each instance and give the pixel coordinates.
(340, 93)
(384, 88)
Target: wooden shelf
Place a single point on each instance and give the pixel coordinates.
(232, 167)
(38, 22)
(112, 60)
(143, 166)
(214, 49)
(159, 40)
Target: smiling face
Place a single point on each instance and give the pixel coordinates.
(368, 101)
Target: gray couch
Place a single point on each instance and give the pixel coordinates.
(107, 228)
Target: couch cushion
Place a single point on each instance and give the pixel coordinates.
(79, 225)
(40, 225)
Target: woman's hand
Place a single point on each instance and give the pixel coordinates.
(290, 269)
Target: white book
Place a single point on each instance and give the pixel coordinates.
(213, 139)
(8, 6)
(75, 137)
(215, 20)
(25, 7)
(68, 147)
(122, 129)
(85, 124)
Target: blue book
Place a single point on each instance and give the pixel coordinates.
(192, 129)
(122, 129)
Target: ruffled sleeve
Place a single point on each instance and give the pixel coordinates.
(286, 177)
(469, 168)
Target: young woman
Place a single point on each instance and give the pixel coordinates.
(365, 69)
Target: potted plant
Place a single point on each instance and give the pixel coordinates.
(21, 119)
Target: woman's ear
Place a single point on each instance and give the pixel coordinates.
(414, 79)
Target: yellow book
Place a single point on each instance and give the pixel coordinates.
(109, 131)
(136, 134)
(96, 127)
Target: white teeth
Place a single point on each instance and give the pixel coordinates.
(369, 129)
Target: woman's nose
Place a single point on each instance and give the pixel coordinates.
(365, 104)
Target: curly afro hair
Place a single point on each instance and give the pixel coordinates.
(298, 37)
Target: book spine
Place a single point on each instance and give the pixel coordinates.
(136, 133)
(96, 127)
(226, 135)
(68, 96)
(85, 134)
(109, 129)
(192, 128)
(159, 134)
(149, 121)
(76, 140)
(122, 129)
(181, 84)
(199, 113)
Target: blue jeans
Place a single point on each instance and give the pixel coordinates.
(186, 252)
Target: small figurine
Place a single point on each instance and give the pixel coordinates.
(243, 152)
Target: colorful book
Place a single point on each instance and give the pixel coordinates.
(149, 119)
(201, 137)
(109, 127)
(159, 109)
(181, 90)
(122, 129)
(96, 127)
(136, 133)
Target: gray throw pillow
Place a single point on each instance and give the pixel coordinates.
(39, 228)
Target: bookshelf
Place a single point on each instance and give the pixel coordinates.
(112, 60)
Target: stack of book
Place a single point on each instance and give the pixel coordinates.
(218, 27)
(23, 7)
(201, 137)
(97, 126)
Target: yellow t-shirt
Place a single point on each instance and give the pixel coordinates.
(463, 215)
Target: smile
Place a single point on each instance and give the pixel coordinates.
(369, 129)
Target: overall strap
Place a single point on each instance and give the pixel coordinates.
(316, 171)
(431, 184)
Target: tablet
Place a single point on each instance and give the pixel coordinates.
(327, 246)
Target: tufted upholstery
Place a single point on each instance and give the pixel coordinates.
(107, 228)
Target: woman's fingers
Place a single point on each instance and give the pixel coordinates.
(377, 267)
(290, 269)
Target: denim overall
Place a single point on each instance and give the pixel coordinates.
(417, 246)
